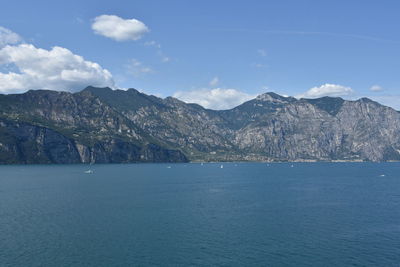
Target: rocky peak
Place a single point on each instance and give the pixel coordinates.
(275, 98)
(93, 88)
(367, 101)
(173, 100)
(332, 105)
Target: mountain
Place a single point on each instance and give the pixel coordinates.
(114, 126)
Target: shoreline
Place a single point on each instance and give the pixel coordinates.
(199, 162)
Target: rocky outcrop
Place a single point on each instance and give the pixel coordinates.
(112, 126)
(25, 143)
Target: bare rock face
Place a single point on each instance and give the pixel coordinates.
(114, 126)
(327, 129)
(25, 143)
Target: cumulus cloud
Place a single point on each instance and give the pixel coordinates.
(217, 98)
(119, 29)
(214, 81)
(8, 37)
(376, 88)
(327, 89)
(55, 69)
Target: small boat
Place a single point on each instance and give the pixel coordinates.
(222, 166)
(89, 171)
(382, 175)
(168, 167)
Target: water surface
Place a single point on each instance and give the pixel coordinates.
(245, 214)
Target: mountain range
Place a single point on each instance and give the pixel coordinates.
(101, 125)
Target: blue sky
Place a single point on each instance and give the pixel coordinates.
(216, 53)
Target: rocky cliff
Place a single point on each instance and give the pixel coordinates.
(111, 126)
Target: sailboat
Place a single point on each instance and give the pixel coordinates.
(90, 164)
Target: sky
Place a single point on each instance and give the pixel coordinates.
(215, 53)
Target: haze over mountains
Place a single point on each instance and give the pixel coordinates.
(101, 125)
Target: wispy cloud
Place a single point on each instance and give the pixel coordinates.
(79, 20)
(137, 68)
(163, 57)
(262, 52)
(347, 35)
(258, 65)
(214, 81)
(152, 43)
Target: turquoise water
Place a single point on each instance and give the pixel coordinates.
(245, 214)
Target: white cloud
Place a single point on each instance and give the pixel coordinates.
(119, 29)
(214, 81)
(8, 37)
(376, 88)
(262, 52)
(327, 89)
(137, 69)
(55, 69)
(214, 98)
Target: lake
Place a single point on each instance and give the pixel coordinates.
(244, 214)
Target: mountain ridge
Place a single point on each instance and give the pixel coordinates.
(114, 126)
